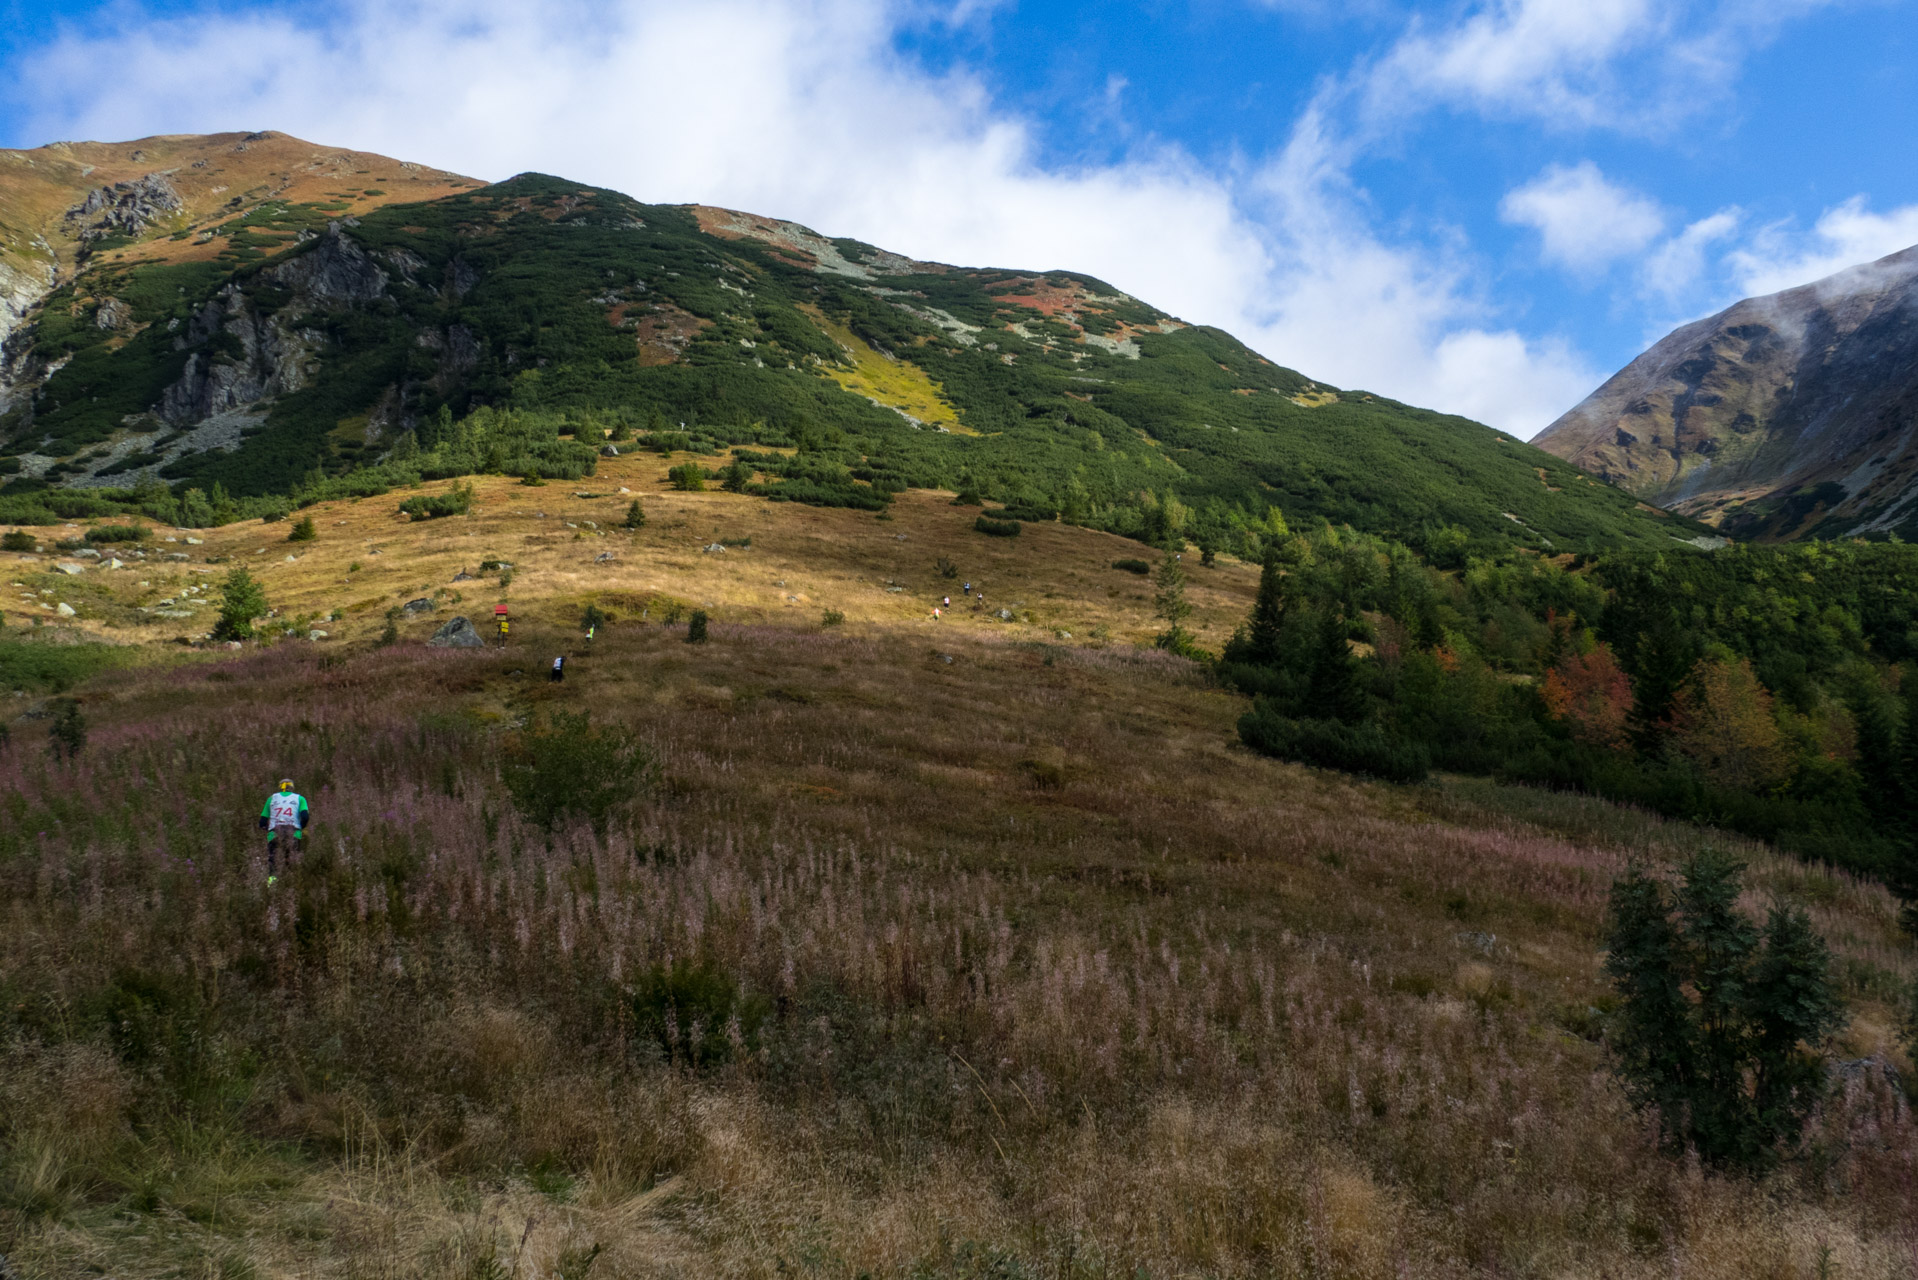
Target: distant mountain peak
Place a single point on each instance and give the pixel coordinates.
(1789, 415)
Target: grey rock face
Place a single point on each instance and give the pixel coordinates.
(22, 285)
(458, 633)
(1776, 416)
(421, 605)
(125, 208)
(272, 361)
(335, 273)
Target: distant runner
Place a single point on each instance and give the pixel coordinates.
(283, 817)
(559, 669)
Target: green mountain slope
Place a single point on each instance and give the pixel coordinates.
(471, 330)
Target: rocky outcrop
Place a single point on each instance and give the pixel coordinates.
(125, 208)
(247, 356)
(336, 272)
(259, 358)
(22, 285)
(1778, 417)
(457, 634)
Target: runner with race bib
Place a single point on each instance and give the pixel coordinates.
(283, 817)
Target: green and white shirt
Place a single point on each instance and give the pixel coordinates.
(285, 809)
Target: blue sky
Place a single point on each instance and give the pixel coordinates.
(1485, 207)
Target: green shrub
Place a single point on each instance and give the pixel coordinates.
(118, 533)
(67, 736)
(30, 666)
(456, 501)
(687, 477)
(18, 540)
(635, 516)
(1332, 744)
(696, 1012)
(997, 528)
(831, 618)
(1723, 1026)
(570, 769)
(1139, 567)
(696, 628)
(531, 479)
(592, 618)
(946, 568)
(242, 599)
(303, 530)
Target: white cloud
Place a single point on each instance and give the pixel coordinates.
(1535, 56)
(1844, 236)
(1676, 267)
(1634, 65)
(1585, 221)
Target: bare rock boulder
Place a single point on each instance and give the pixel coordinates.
(458, 633)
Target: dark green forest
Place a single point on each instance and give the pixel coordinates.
(1768, 689)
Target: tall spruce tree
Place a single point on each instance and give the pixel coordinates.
(1334, 692)
(1268, 610)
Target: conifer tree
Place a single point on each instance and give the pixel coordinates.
(1723, 1026)
(1268, 610)
(242, 600)
(1170, 603)
(1334, 692)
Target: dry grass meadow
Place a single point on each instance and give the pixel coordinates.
(947, 948)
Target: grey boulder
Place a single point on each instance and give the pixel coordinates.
(457, 634)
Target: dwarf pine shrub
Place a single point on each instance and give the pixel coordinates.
(687, 477)
(1723, 1025)
(67, 737)
(568, 768)
(1332, 744)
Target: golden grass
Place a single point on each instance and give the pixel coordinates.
(1056, 580)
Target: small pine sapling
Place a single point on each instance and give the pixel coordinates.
(67, 737)
(242, 599)
(696, 628)
(635, 516)
(303, 530)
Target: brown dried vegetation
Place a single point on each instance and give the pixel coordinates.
(971, 957)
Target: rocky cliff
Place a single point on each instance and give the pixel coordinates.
(70, 206)
(1784, 416)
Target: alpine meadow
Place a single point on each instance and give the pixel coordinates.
(825, 763)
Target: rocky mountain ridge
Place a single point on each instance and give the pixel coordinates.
(68, 206)
(1784, 416)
